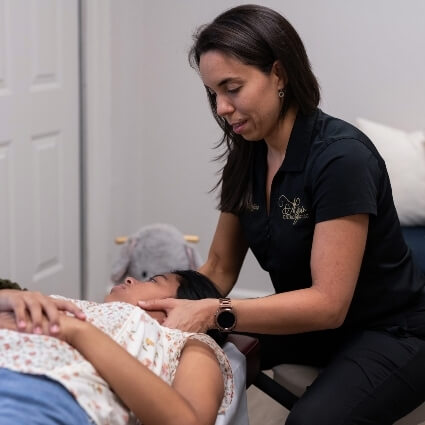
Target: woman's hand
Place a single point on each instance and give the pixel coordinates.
(186, 315)
(31, 308)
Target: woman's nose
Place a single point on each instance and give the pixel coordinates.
(224, 107)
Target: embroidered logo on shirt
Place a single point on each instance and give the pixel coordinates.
(292, 210)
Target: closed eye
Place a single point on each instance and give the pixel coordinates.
(232, 91)
(154, 278)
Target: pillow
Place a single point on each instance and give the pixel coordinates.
(404, 155)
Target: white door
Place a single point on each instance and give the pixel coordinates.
(39, 145)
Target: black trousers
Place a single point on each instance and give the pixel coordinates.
(370, 376)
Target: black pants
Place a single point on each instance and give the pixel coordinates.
(368, 376)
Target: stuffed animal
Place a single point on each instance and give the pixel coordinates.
(155, 249)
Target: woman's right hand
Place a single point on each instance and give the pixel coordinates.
(32, 308)
(186, 315)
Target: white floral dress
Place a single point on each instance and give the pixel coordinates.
(157, 347)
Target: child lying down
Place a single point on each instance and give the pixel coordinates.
(119, 366)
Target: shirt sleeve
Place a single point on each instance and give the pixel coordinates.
(345, 180)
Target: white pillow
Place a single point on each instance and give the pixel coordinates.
(404, 155)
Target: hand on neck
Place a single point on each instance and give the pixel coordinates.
(158, 315)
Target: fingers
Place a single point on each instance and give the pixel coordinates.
(37, 305)
(19, 310)
(158, 304)
(189, 315)
(169, 323)
(70, 308)
(37, 313)
(51, 308)
(26, 324)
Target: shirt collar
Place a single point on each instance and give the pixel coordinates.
(299, 142)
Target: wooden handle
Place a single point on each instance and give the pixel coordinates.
(119, 240)
(191, 238)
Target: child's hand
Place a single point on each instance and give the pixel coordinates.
(32, 309)
(7, 320)
(70, 327)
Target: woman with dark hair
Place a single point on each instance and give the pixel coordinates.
(310, 196)
(117, 366)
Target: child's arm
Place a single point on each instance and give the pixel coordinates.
(196, 393)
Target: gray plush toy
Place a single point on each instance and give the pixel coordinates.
(155, 249)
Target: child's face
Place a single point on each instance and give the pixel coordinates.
(131, 290)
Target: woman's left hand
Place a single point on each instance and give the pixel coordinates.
(186, 315)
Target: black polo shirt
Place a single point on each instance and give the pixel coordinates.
(330, 170)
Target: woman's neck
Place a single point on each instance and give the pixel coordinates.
(278, 141)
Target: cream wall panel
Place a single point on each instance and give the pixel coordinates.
(48, 240)
(46, 41)
(4, 29)
(6, 213)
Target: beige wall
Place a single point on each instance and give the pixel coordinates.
(369, 58)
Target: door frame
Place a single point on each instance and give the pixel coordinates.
(95, 138)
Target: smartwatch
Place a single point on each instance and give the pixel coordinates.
(225, 317)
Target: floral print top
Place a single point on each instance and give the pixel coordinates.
(157, 347)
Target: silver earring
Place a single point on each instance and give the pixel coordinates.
(281, 93)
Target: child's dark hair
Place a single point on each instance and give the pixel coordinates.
(195, 286)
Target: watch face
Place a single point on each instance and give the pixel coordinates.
(226, 319)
